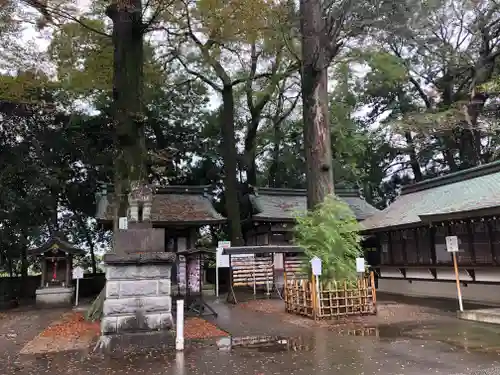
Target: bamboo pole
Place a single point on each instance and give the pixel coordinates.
(374, 291)
(313, 296)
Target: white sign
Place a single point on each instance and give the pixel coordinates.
(316, 266)
(360, 265)
(452, 244)
(278, 261)
(224, 244)
(123, 223)
(222, 260)
(78, 273)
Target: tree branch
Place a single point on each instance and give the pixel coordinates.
(45, 10)
(198, 75)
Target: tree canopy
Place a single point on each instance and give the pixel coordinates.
(210, 92)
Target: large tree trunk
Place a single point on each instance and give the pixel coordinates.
(274, 175)
(317, 143)
(230, 156)
(130, 160)
(415, 165)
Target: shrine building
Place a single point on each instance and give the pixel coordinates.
(413, 259)
(180, 210)
(274, 211)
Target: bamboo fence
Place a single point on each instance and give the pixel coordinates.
(332, 299)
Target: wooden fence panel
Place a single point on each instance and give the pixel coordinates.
(250, 271)
(295, 267)
(334, 300)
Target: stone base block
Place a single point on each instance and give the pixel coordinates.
(54, 296)
(491, 316)
(136, 342)
(138, 294)
(136, 322)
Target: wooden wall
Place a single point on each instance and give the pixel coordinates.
(479, 244)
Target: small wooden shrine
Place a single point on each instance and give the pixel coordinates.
(274, 211)
(56, 260)
(180, 210)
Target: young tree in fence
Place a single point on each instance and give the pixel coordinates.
(331, 233)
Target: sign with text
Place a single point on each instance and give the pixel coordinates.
(316, 266)
(222, 260)
(77, 273)
(123, 223)
(452, 244)
(360, 265)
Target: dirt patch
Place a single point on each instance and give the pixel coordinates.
(197, 328)
(387, 313)
(71, 332)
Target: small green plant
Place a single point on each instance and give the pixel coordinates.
(331, 233)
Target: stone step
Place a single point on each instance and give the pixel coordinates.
(481, 315)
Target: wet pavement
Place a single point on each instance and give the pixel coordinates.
(433, 342)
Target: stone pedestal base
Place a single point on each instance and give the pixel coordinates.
(138, 294)
(54, 296)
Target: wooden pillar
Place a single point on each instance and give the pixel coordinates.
(403, 246)
(389, 247)
(470, 240)
(44, 271)
(416, 233)
(68, 267)
(432, 244)
(491, 238)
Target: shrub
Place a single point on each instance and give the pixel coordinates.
(330, 232)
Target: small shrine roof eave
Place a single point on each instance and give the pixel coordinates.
(58, 243)
(197, 251)
(459, 215)
(171, 206)
(172, 223)
(275, 249)
(463, 195)
(265, 219)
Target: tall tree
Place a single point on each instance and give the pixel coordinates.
(325, 27)
(214, 31)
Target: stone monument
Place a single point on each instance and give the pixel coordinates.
(138, 287)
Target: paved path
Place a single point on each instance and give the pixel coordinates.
(427, 346)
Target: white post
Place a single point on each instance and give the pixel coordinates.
(318, 293)
(179, 363)
(457, 279)
(217, 280)
(77, 291)
(179, 340)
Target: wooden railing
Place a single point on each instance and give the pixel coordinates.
(331, 300)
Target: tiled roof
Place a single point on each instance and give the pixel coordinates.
(172, 204)
(57, 243)
(282, 204)
(473, 189)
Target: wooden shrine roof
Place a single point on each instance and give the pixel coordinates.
(469, 193)
(197, 251)
(56, 243)
(272, 204)
(172, 205)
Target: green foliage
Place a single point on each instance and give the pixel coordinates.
(331, 233)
